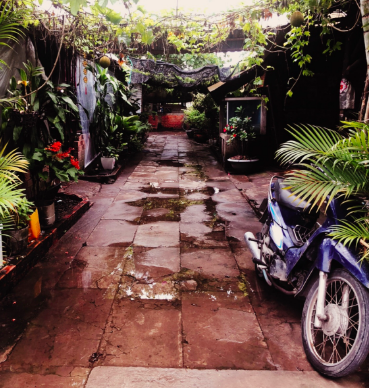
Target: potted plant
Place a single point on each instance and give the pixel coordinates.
(198, 124)
(242, 131)
(17, 238)
(50, 166)
(34, 116)
(109, 156)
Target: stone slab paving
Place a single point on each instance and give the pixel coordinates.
(184, 378)
(153, 287)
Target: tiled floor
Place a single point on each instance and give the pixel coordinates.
(150, 277)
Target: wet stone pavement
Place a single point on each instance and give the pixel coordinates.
(156, 276)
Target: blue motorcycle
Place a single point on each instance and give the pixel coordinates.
(294, 254)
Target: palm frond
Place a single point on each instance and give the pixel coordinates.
(311, 142)
(12, 163)
(10, 196)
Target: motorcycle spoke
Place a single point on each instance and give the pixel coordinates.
(333, 349)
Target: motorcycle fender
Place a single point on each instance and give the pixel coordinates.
(330, 250)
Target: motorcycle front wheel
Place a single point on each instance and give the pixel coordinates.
(341, 345)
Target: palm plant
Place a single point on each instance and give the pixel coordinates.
(10, 193)
(331, 164)
(10, 28)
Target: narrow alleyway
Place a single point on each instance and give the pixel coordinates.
(149, 280)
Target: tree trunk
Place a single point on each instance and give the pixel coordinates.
(364, 8)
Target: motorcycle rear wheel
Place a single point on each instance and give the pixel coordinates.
(342, 344)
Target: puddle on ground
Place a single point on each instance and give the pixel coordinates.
(164, 290)
(169, 163)
(163, 190)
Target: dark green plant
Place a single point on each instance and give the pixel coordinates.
(52, 109)
(195, 119)
(327, 165)
(20, 217)
(109, 124)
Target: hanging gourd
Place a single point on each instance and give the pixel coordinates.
(104, 62)
(297, 19)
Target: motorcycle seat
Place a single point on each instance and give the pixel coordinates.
(286, 198)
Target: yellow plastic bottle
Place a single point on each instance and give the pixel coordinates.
(34, 226)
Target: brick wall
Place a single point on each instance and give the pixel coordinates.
(174, 121)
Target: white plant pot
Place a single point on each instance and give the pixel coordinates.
(107, 163)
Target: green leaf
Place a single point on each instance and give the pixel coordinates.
(53, 97)
(27, 150)
(16, 133)
(70, 103)
(36, 105)
(60, 130)
(63, 176)
(72, 172)
(23, 75)
(38, 156)
(75, 5)
(61, 114)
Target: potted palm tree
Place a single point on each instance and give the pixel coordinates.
(242, 131)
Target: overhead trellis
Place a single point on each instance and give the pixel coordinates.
(169, 74)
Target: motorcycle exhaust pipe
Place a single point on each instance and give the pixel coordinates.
(252, 245)
(255, 251)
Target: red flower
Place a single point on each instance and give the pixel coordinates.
(231, 127)
(225, 130)
(55, 147)
(234, 135)
(74, 163)
(65, 154)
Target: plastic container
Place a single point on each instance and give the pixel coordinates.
(34, 226)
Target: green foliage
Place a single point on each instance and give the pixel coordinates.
(112, 128)
(331, 165)
(20, 216)
(10, 25)
(195, 119)
(241, 129)
(10, 194)
(55, 105)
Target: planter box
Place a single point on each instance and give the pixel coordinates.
(16, 269)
